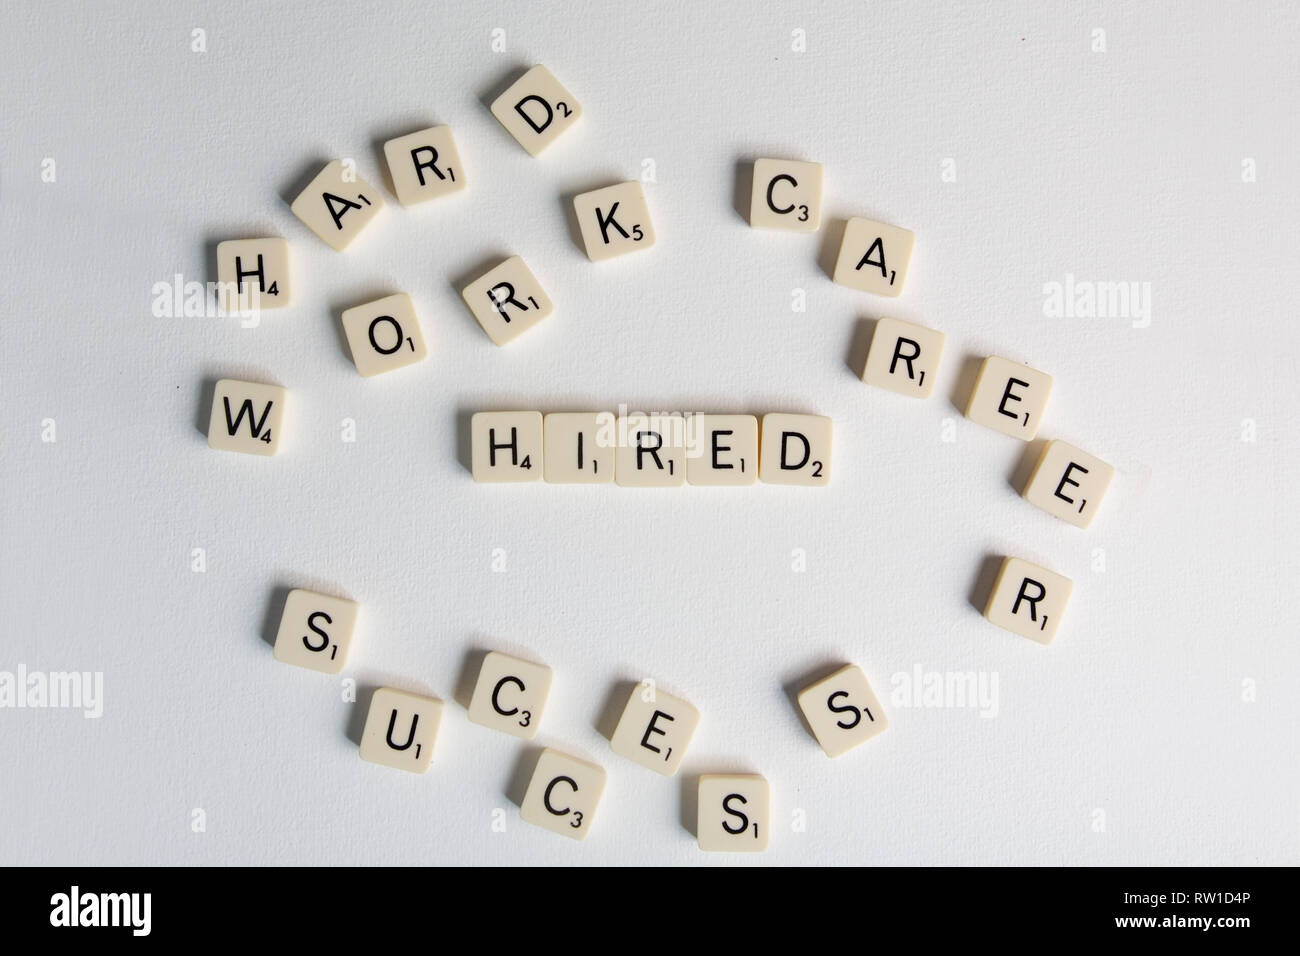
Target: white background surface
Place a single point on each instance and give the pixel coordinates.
(1117, 166)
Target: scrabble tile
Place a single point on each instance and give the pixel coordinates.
(253, 274)
(1069, 483)
(507, 300)
(506, 446)
(337, 204)
(655, 732)
(1009, 397)
(578, 447)
(651, 451)
(1028, 600)
(246, 417)
(614, 221)
(315, 631)
(562, 794)
(510, 694)
(734, 812)
(842, 710)
(786, 195)
(874, 257)
(384, 335)
(721, 449)
(795, 450)
(536, 110)
(400, 729)
(903, 358)
(424, 165)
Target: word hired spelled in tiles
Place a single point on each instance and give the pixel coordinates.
(253, 274)
(577, 449)
(795, 450)
(655, 729)
(424, 165)
(1028, 600)
(562, 794)
(1069, 483)
(507, 300)
(1009, 397)
(506, 446)
(315, 631)
(903, 357)
(733, 814)
(843, 710)
(874, 257)
(509, 695)
(246, 417)
(400, 729)
(614, 221)
(337, 204)
(384, 335)
(786, 195)
(536, 110)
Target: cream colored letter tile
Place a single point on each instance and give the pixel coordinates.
(578, 447)
(337, 204)
(903, 358)
(843, 710)
(562, 794)
(654, 732)
(786, 195)
(510, 694)
(795, 450)
(614, 221)
(315, 631)
(507, 300)
(1009, 397)
(246, 417)
(1069, 483)
(721, 449)
(651, 451)
(384, 335)
(536, 109)
(400, 729)
(874, 257)
(506, 446)
(424, 165)
(734, 811)
(253, 274)
(1028, 600)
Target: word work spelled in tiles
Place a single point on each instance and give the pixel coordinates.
(507, 300)
(384, 335)
(562, 794)
(536, 110)
(400, 729)
(253, 274)
(903, 357)
(795, 450)
(733, 812)
(655, 729)
(337, 204)
(315, 631)
(874, 257)
(1069, 483)
(1028, 600)
(786, 195)
(509, 695)
(1009, 397)
(578, 447)
(721, 449)
(651, 451)
(424, 165)
(506, 446)
(614, 221)
(842, 710)
(246, 417)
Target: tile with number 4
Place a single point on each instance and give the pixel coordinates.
(246, 417)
